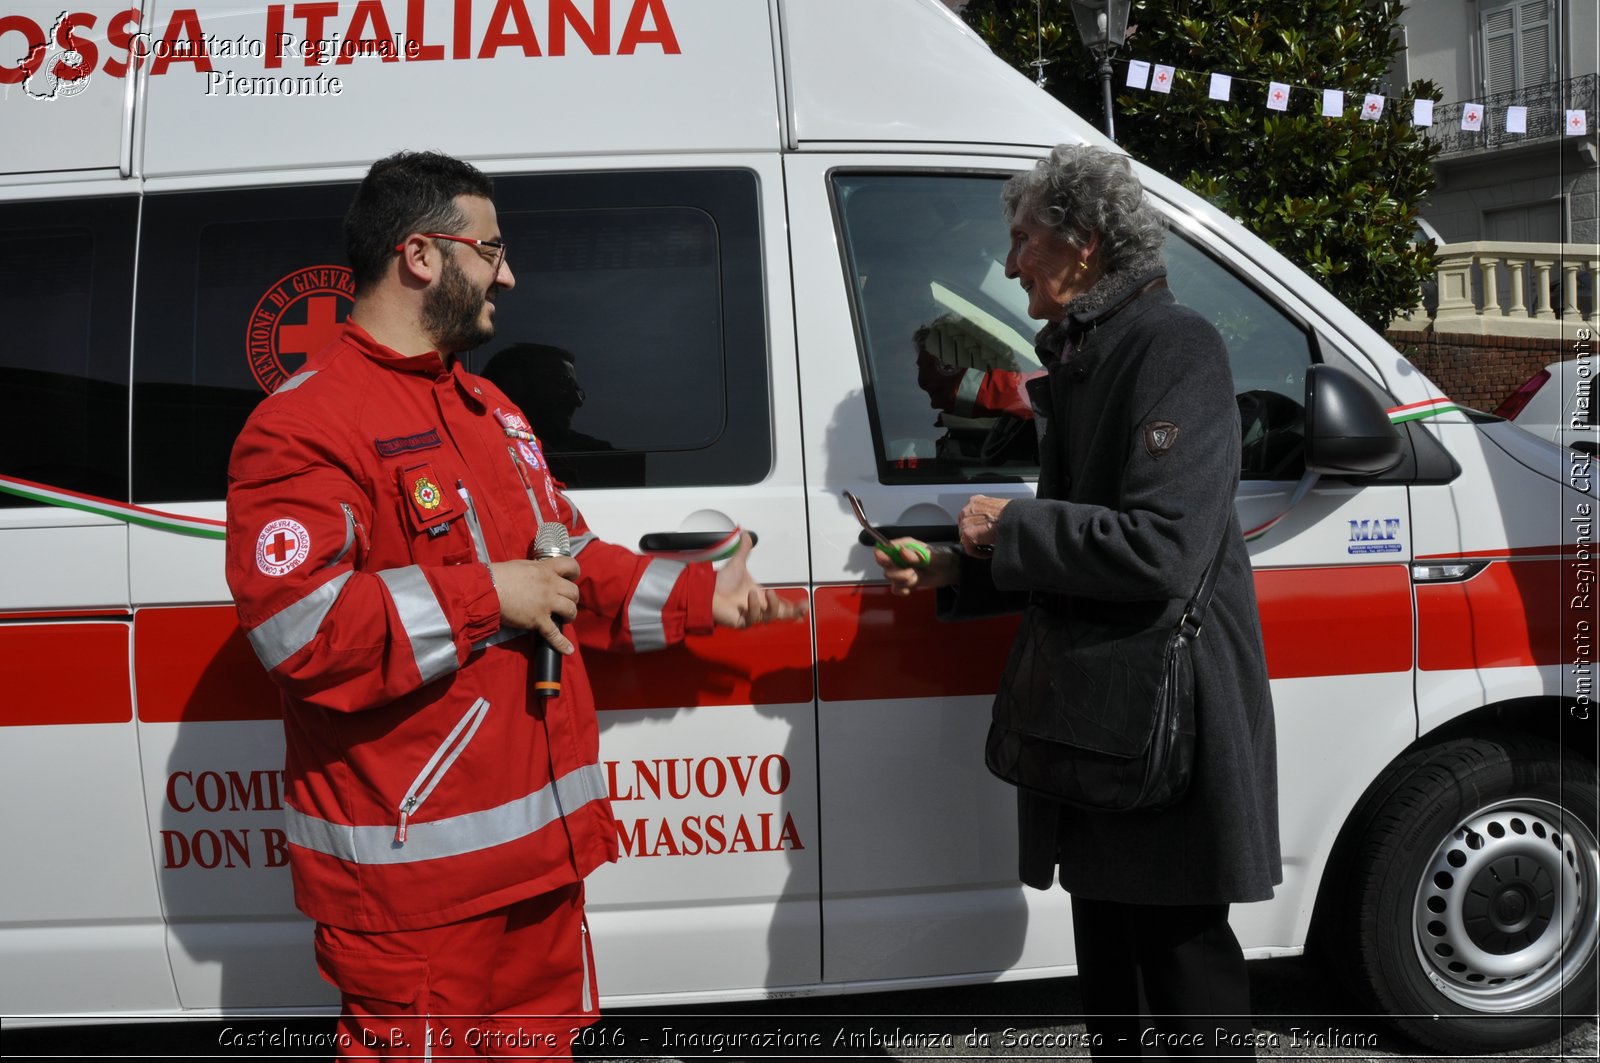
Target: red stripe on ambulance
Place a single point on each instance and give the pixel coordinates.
(1507, 616)
(872, 644)
(195, 664)
(64, 673)
(765, 665)
(1343, 620)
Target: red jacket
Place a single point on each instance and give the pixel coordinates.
(425, 784)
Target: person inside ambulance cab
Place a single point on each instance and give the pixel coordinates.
(385, 508)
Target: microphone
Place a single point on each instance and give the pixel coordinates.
(552, 540)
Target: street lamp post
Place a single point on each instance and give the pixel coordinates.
(1103, 27)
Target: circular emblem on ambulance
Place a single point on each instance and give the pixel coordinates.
(281, 546)
(296, 318)
(425, 493)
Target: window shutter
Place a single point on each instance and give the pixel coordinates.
(1534, 40)
(1498, 28)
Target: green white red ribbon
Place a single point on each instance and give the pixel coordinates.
(1421, 411)
(176, 523)
(723, 549)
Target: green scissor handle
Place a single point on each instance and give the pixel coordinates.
(918, 554)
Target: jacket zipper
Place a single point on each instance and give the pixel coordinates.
(583, 945)
(353, 532)
(453, 746)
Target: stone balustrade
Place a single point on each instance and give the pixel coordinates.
(1499, 288)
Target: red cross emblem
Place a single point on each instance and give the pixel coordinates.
(1277, 95)
(1372, 107)
(1472, 116)
(281, 547)
(1161, 76)
(1576, 121)
(319, 330)
(298, 316)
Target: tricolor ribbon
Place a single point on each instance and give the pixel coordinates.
(721, 550)
(1421, 411)
(45, 495)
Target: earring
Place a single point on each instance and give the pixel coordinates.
(1083, 264)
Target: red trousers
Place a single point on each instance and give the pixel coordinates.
(514, 983)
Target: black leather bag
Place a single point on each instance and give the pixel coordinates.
(1099, 714)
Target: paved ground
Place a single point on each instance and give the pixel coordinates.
(1300, 1013)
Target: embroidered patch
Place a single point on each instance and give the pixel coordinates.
(388, 448)
(430, 502)
(281, 547)
(513, 420)
(531, 454)
(425, 493)
(1159, 436)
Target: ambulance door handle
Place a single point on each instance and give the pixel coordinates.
(928, 533)
(684, 542)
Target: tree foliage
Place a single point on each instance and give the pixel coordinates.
(1337, 196)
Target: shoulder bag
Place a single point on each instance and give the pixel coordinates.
(1099, 713)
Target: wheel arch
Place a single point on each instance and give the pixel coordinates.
(1542, 716)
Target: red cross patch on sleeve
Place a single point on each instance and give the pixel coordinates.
(281, 547)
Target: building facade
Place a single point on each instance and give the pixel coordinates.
(1537, 186)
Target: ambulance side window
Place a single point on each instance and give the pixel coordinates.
(939, 326)
(66, 294)
(947, 346)
(1269, 353)
(634, 338)
(236, 289)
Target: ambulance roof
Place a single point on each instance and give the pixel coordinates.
(234, 88)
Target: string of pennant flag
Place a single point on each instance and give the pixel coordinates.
(1159, 78)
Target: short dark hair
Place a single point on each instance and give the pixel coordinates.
(408, 192)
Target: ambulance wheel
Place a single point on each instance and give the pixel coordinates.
(1475, 894)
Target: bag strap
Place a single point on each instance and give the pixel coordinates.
(1194, 612)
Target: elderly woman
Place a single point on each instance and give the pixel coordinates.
(1139, 464)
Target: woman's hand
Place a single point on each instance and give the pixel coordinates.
(976, 524)
(942, 569)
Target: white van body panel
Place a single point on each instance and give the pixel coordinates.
(478, 91)
(52, 118)
(895, 72)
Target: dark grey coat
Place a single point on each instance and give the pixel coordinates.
(1139, 466)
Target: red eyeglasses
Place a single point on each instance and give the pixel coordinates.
(497, 245)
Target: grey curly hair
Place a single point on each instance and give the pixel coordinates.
(1079, 190)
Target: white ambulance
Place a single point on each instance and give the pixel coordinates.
(746, 221)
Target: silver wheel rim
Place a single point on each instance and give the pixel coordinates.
(1505, 913)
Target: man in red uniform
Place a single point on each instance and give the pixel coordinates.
(382, 511)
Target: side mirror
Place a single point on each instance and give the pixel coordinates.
(1348, 432)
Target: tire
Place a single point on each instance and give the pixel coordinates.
(1469, 908)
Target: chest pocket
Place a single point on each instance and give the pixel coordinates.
(437, 510)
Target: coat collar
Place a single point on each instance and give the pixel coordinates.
(1098, 315)
(431, 366)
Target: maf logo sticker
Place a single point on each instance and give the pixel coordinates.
(1380, 536)
(296, 318)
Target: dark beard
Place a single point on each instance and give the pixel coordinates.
(450, 312)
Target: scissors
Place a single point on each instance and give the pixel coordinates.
(906, 555)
